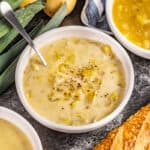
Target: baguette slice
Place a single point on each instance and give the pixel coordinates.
(133, 134)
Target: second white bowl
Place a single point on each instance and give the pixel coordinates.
(23, 125)
(124, 41)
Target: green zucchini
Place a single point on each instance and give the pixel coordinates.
(8, 76)
(24, 15)
(15, 50)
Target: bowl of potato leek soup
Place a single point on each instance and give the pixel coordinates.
(87, 82)
(130, 22)
(16, 132)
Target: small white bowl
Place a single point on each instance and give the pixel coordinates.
(80, 32)
(23, 125)
(124, 41)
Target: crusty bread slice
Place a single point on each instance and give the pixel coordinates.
(133, 134)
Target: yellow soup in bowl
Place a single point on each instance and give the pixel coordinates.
(83, 82)
(132, 18)
(12, 138)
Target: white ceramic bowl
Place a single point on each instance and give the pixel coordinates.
(23, 125)
(124, 41)
(81, 32)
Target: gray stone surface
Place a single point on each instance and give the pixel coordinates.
(52, 140)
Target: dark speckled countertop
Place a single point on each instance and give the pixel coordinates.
(52, 140)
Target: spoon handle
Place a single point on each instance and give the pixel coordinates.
(105, 31)
(9, 15)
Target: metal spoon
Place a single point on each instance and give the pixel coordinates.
(92, 13)
(9, 15)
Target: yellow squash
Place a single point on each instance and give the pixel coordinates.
(53, 5)
(26, 2)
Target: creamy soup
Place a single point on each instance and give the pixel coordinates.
(12, 138)
(132, 18)
(82, 83)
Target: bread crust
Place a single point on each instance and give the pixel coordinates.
(127, 134)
